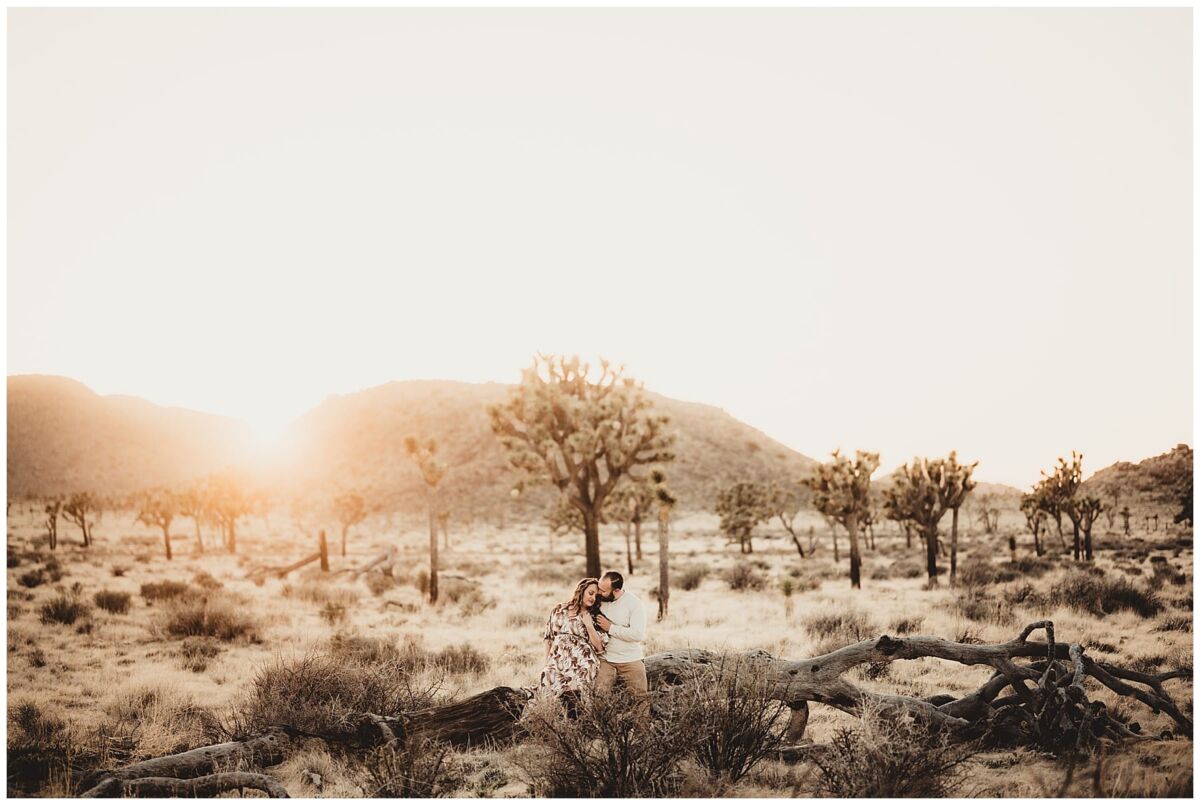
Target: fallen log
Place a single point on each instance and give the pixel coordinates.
(1048, 704)
(211, 785)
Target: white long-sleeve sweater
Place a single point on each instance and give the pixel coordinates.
(628, 630)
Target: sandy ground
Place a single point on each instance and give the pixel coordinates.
(117, 663)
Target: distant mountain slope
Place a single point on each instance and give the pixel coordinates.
(1150, 486)
(357, 440)
(63, 438)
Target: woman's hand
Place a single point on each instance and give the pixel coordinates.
(593, 636)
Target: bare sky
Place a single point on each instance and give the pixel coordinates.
(905, 231)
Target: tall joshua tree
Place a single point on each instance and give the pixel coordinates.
(193, 503)
(958, 483)
(1035, 519)
(919, 496)
(1060, 487)
(842, 490)
(666, 501)
(581, 434)
(82, 509)
(228, 502)
(629, 505)
(157, 508)
(53, 510)
(432, 472)
(742, 506)
(350, 510)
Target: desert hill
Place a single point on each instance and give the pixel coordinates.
(63, 437)
(1154, 485)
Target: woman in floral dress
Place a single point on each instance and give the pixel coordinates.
(573, 647)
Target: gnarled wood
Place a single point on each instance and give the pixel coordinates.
(210, 785)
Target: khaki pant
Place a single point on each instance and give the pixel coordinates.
(633, 677)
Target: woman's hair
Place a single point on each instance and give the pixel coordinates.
(576, 599)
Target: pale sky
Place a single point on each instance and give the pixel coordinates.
(904, 231)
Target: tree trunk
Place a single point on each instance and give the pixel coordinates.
(637, 537)
(433, 550)
(591, 543)
(1038, 548)
(855, 557)
(836, 557)
(1075, 553)
(749, 542)
(167, 541)
(323, 551)
(628, 550)
(1012, 547)
(1058, 527)
(954, 545)
(345, 528)
(664, 586)
(1087, 544)
(199, 540)
(907, 536)
(931, 541)
(231, 536)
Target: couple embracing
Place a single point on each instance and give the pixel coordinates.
(593, 639)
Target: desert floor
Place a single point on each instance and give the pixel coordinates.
(124, 677)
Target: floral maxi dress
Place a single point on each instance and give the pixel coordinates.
(572, 664)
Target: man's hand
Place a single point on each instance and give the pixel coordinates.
(603, 623)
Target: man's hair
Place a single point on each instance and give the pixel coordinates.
(615, 578)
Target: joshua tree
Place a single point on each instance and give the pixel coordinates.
(1089, 509)
(1125, 515)
(742, 506)
(350, 510)
(193, 503)
(666, 501)
(630, 504)
(228, 502)
(842, 490)
(1061, 487)
(432, 471)
(83, 510)
(1113, 507)
(919, 496)
(581, 435)
(958, 485)
(1035, 519)
(157, 508)
(53, 510)
(784, 504)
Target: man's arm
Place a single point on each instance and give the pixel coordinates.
(635, 632)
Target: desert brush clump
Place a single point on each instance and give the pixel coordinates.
(64, 608)
(113, 601)
(198, 652)
(211, 616)
(838, 629)
(689, 577)
(891, 756)
(166, 591)
(413, 769)
(744, 576)
(1088, 592)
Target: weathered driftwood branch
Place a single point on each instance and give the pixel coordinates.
(210, 785)
(1047, 705)
(385, 561)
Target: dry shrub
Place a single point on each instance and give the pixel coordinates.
(162, 720)
(978, 605)
(906, 569)
(166, 591)
(319, 592)
(744, 576)
(206, 581)
(1087, 592)
(1174, 623)
(883, 755)
(461, 659)
(835, 630)
(118, 571)
(601, 752)
(379, 583)
(730, 716)
(31, 578)
(414, 769)
(322, 693)
(903, 625)
(198, 652)
(64, 608)
(53, 569)
(469, 598)
(40, 746)
(689, 577)
(421, 581)
(213, 616)
(1031, 567)
(333, 612)
(113, 601)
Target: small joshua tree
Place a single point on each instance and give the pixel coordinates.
(53, 509)
(83, 510)
(193, 503)
(842, 490)
(666, 501)
(1125, 515)
(919, 496)
(1184, 515)
(1060, 487)
(742, 506)
(784, 504)
(1089, 509)
(350, 510)
(228, 502)
(954, 490)
(157, 508)
(631, 503)
(432, 472)
(1035, 519)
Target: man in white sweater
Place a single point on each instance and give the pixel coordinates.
(623, 616)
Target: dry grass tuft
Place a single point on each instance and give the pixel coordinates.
(113, 601)
(210, 617)
(1086, 591)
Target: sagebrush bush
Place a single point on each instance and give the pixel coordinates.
(906, 569)
(31, 578)
(206, 581)
(333, 612)
(885, 755)
(1098, 596)
(1174, 623)
(838, 629)
(414, 769)
(601, 752)
(462, 659)
(198, 652)
(210, 617)
(39, 746)
(166, 590)
(164, 719)
(689, 577)
(1031, 567)
(113, 601)
(904, 625)
(744, 576)
(65, 609)
(318, 591)
(976, 604)
(379, 583)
